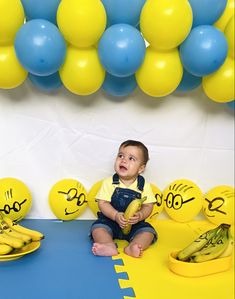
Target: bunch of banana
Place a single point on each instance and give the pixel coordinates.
(133, 207)
(14, 236)
(214, 243)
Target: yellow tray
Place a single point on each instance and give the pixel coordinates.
(21, 252)
(198, 269)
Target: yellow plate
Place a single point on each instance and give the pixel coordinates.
(198, 269)
(21, 252)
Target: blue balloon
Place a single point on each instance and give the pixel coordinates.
(207, 12)
(41, 9)
(231, 104)
(204, 50)
(119, 86)
(40, 47)
(121, 50)
(46, 83)
(123, 11)
(189, 82)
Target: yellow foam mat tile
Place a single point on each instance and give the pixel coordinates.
(151, 278)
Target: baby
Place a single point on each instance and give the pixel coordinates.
(113, 198)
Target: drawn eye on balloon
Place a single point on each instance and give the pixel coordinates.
(218, 204)
(68, 199)
(71, 195)
(15, 198)
(16, 207)
(158, 199)
(158, 205)
(182, 200)
(176, 201)
(215, 204)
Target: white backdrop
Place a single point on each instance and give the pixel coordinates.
(49, 137)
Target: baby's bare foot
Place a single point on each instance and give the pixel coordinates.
(134, 250)
(104, 249)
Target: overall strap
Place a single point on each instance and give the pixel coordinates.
(115, 179)
(140, 181)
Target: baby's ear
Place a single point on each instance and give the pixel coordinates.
(142, 168)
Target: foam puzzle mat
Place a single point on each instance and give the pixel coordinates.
(64, 267)
(151, 278)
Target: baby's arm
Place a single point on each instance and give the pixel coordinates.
(107, 209)
(142, 214)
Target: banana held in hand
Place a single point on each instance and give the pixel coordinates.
(5, 249)
(216, 247)
(133, 207)
(197, 244)
(33, 234)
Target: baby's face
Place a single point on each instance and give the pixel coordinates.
(129, 162)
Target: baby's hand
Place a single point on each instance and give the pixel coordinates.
(137, 217)
(120, 219)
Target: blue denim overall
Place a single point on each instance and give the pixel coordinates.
(120, 199)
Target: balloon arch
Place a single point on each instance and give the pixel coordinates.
(160, 46)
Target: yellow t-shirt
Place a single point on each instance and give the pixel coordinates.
(107, 189)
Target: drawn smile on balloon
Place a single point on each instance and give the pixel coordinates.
(70, 196)
(70, 213)
(158, 203)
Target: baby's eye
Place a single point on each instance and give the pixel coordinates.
(120, 156)
(132, 159)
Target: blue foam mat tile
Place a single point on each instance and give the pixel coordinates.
(128, 292)
(63, 266)
(118, 262)
(122, 275)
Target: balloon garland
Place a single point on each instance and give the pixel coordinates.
(160, 46)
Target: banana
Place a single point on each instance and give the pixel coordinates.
(25, 238)
(132, 208)
(230, 248)
(197, 244)
(214, 249)
(11, 241)
(5, 249)
(34, 234)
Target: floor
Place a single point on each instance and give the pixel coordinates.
(64, 267)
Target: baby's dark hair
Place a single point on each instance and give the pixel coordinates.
(139, 145)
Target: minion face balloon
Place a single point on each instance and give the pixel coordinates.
(91, 197)
(218, 205)
(182, 200)
(15, 198)
(68, 199)
(158, 205)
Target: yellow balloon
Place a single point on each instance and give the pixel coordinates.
(15, 198)
(81, 22)
(68, 199)
(11, 19)
(91, 197)
(182, 200)
(229, 34)
(12, 74)
(218, 205)
(158, 205)
(226, 16)
(82, 72)
(166, 23)
(219, 86)
(160, 73)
